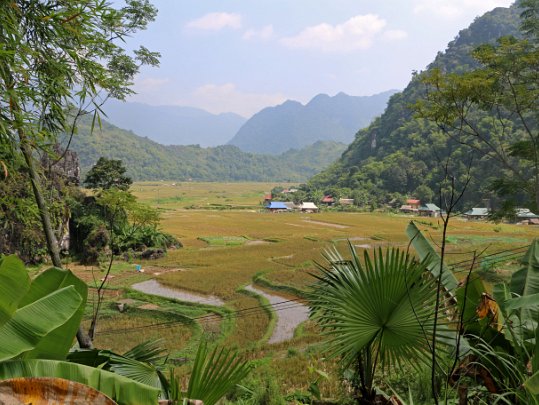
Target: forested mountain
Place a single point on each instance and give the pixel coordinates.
(400, 153)
(148, 160)
(294, 125)
(174, 125)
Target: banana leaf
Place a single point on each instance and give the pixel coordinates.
(56, 344)
(143, 363)
(468, 304)
(426, 252)
(526, 301)
(14, 283)
(525, 282)
(535, 354)
(29, 324)
(145, 373)
(119, 388)
(45, 390)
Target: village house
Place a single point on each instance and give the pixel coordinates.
(477, 214)
(267, 198)
(328, 200)
(346, 201)
(277, 206)
(308, 207)
(526, 217)
(429, 210)
(412, 206)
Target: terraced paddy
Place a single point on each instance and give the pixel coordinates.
(226, 250)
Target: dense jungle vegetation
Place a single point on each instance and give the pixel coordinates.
(405, 152)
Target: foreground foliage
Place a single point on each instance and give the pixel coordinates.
(38, 322)
(376, 314)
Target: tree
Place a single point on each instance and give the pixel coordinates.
(60, 60)
(108, 173)
(493, 109)
(375, 313)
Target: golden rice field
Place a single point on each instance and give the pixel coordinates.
(229, 240)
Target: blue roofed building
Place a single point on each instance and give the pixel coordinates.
(277, 206)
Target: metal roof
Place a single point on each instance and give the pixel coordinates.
(277, 205)
(478, 212)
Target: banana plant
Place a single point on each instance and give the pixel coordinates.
(426, 253)
(510, 322)
(38, 322)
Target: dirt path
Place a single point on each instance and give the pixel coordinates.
(332, 225)
(289, 315)
(153, 287)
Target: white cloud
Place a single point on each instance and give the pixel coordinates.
(264, 33)
(216, 22)
(228, 98)
(395, 35)
(357, 33)
(149, 84)
(456, 8)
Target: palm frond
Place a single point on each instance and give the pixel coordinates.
(384, 304)
(215, 374)
(150, 351)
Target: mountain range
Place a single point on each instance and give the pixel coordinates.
(174, 125)
(293, 125)
(273, 130)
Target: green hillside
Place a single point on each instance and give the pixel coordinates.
(401, 153)
(148, 160)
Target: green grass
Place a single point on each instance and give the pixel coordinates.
(223, 240)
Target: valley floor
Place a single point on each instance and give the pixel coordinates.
(255, 266)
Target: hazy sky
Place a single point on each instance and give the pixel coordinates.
(243, 55)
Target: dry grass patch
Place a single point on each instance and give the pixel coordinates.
(203, 194)
(134, 328)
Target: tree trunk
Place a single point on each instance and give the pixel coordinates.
(50, 237)
(52, 243)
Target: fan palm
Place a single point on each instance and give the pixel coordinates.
(379, 312)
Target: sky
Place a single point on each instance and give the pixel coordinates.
(243, 55)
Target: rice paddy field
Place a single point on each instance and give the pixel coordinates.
(230, 242)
